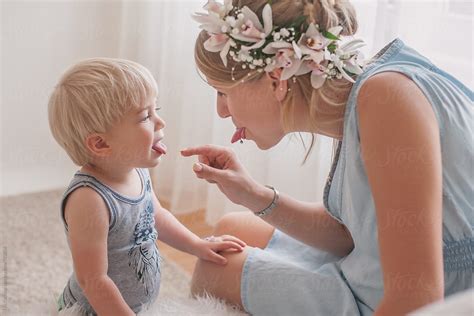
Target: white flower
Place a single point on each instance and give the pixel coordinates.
(213, 21)
(339, 65)
(220, 9)
(284, 32)
(243, 55)
(230, 20)
(312, 43)
(285, 57)
(317, 72)
(219, 43)
(251, 30)
(324, 57)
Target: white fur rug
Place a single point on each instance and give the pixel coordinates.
(36, 264)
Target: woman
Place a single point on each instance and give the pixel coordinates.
(395, 230)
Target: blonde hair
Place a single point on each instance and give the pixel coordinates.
(326, 13)
(93, 95)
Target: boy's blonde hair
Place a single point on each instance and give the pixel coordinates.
(93, 95)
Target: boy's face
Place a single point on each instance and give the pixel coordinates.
(136, 140)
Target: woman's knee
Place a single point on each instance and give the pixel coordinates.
(221, 281)
(229, 223)
(246, 226)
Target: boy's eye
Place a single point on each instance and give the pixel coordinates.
(149, 115)
(220, 94)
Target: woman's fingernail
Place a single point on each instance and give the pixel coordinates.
(197, 167)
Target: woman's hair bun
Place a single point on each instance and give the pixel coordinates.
(329, 13)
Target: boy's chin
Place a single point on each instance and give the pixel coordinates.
(154, 163)
(151, 163)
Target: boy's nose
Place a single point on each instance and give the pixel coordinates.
(160, 123)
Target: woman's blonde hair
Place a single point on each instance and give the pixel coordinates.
(93, 95)
(326, 13)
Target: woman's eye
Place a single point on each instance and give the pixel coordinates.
(157, 109)
(220, 94)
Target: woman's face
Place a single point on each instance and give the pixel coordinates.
(254, 107)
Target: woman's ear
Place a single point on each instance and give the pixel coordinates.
(280, 88)
(97, 145)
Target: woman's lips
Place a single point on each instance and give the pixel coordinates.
(238, 135)
(159, 147)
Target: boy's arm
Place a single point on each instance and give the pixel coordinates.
(87, 218)
(178, 236)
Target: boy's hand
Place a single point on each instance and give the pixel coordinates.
(209, 247)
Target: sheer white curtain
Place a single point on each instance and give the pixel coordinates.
(161, 36)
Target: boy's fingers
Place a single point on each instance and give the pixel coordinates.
(238, 241)
(233, 238)
(229, 244)
(218, 258)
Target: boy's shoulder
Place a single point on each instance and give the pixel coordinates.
(85, 202)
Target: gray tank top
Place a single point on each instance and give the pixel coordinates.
(133, 257)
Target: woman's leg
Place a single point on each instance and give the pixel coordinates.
(253, 230)
(224, 281)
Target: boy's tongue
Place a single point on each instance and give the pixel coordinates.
(238, 135)
(159, 147)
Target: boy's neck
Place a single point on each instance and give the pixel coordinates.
(109, 173)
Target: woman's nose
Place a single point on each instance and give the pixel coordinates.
(222, 109)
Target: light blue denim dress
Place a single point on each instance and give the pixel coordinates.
(291, 278)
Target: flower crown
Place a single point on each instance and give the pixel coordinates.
(240, 34)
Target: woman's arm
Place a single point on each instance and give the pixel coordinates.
(307, 222)
(87, 218)
(400, 145)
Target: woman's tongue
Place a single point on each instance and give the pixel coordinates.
(160, 148)
(238, 135)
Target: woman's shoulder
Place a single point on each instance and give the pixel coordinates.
(391, 89)
(391, 99)
(382, 84)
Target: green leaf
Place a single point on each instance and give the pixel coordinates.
(332, 47)
(329, 35)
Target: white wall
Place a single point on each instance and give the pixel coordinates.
(41, 39)
(38, 41)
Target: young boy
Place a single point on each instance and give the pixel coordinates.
(103, 113)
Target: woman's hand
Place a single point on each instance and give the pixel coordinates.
(209, 247)
(220, 165)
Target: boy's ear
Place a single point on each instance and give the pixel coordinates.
(97, 145)
(280, 88)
